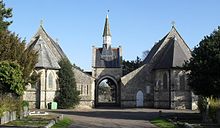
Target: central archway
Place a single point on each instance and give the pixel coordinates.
(107, 92)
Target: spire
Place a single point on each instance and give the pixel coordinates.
(107, 35)
(106, 31)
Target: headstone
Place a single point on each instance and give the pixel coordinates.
(5, 117)
(13, 116)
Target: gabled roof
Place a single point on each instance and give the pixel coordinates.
(154, 50)
(49, 51)
(170, 52)
(54, 46)
(106, 31)
(46, 59)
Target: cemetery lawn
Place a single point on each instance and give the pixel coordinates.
(162, 123)
(63, 123)
(37, 121)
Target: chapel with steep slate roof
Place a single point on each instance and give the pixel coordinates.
(159, 83)
(49, 54)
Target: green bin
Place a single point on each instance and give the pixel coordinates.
(53, 105)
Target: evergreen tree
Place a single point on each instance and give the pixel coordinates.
(68, 95)
(4, 14)
(204, 66)
(11, 80)
(12, 48)
(129, 66)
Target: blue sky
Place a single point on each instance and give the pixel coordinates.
(135, 24)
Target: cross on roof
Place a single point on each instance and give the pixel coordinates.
(41, 22)
(173, 23)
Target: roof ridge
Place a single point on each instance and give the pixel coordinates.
(174, 28)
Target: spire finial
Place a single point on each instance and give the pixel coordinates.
(173, 23)
(41, 22)
(107, 13)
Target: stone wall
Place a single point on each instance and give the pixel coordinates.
(30, 96)
(181, 96)
(138, 80)
(177, 95)
(85, 84)
(40, 94)
(161, 94)
(100, 72)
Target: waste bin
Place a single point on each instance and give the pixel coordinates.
(52, 105)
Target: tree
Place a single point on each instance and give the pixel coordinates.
(11, 80)
(4, 14)
(68, 95)
(145, 53)
(12, 48)
(204, 66)
(129, 66)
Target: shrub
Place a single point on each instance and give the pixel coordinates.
(11, 80)
(25, 103)
(8, 103)
(213, 108)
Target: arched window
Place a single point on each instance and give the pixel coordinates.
(50, 80)
(182, 82)
(165, 81)
(85, 89)
(87, 86)
(158, 85)
(81, 90)
(34, 86)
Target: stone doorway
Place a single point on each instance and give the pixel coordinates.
(107, 92)
(139, 99)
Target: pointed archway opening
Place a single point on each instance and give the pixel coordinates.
(107, 93)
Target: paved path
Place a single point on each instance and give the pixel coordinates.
(112, 118)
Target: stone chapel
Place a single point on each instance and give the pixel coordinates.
(159, 83)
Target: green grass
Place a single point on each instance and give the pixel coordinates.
(31, 121)
(38, 121)
(63, 123)
(162, 123)
(27, 123)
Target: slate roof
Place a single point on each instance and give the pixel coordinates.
(49, 51)
(106, 31)
(46, 59)
(169, 52)
(107, 58)
(54, 46)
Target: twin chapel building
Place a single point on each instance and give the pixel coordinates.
(160, 82)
